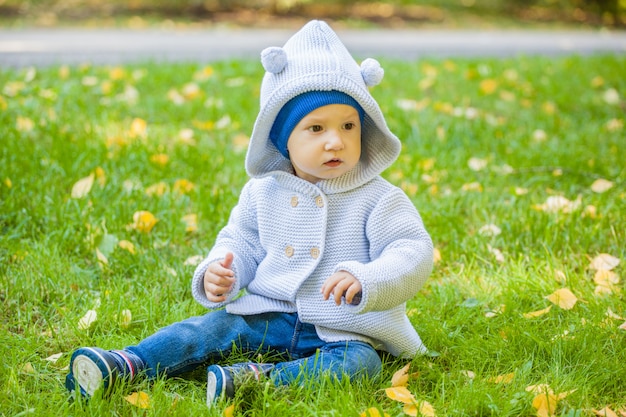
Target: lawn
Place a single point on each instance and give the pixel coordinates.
(115, 180)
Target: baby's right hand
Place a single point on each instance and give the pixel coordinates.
(219, 279)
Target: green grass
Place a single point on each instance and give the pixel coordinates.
(544, 127)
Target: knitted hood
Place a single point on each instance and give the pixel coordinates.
(314, 59)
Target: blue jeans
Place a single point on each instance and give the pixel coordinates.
(186, 345)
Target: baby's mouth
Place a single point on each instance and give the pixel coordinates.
(333, 162)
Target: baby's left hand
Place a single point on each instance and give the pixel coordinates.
(339, 284)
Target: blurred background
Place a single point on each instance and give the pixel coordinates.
(476, 14)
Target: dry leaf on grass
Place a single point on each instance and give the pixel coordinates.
(87, 320)
(229, 411)
(604, 262)
(143, 221)
(605, 412)
(139, 399)
(537, 313)
(401, 394)
(401, 377)
(125, 318)
(54, 358)
(373, 412)
(424, 409)
(563, 298)
(601, 185)
(82, 187)
(127, 245)
(193, 260)
(191, 222)
(558, 204)
(502, 379)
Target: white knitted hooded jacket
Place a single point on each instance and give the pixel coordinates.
(289, 235)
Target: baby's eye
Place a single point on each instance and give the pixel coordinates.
(349, 126)
(315, 128)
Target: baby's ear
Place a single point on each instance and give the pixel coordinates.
(274, 59)
(372, 72)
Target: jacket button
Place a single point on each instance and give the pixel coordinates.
(319, 201)
(315, 253)
(289, 251)
(294, 201)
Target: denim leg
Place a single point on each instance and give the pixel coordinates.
(183, 346)
(353, 359)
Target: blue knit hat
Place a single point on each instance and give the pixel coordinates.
(298, 107)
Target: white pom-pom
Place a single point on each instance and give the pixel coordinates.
(274, 59)
(372, 72)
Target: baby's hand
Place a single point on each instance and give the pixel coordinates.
(219, 279)
(342, 283)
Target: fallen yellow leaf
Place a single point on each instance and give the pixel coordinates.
(157, 189)
(139, 399)
(477, 164)
(537, 313)
(191, 222)
(424, 408)
(472, 186)
(24, 124)
(144, 221)
(605, 412)
(401, 394)
(545, 404)
(87, 320)
(601, 185)
(240, 142)
(82, 187)
(100, 176)
(436, 255)
(229, 411)
(612, 315)
(401, 377)
(101, 257)
(606, 278)
(560, 276)
(193, 260)
(160, 159)
(557, 203)
(604, 261)
(373, 412)
(468, 374)
(497, 253)
(54, 358)
(125, 318)
(488, 86)
(138, 128)
(28, 368)
(502, 379)
(563, 298)
(126, 245)
(183, 186)
(117, 73)
(546, 401)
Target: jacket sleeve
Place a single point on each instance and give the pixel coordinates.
(240, 236)
(401, 253)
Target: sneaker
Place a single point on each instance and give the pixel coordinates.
(92, 368)
(221, 379)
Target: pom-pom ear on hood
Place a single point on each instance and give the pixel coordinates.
(274, 59)
(372, 72)
(315, 59)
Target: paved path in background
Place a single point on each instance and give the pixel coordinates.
(43, 47)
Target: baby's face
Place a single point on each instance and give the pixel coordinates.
(326, 143)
